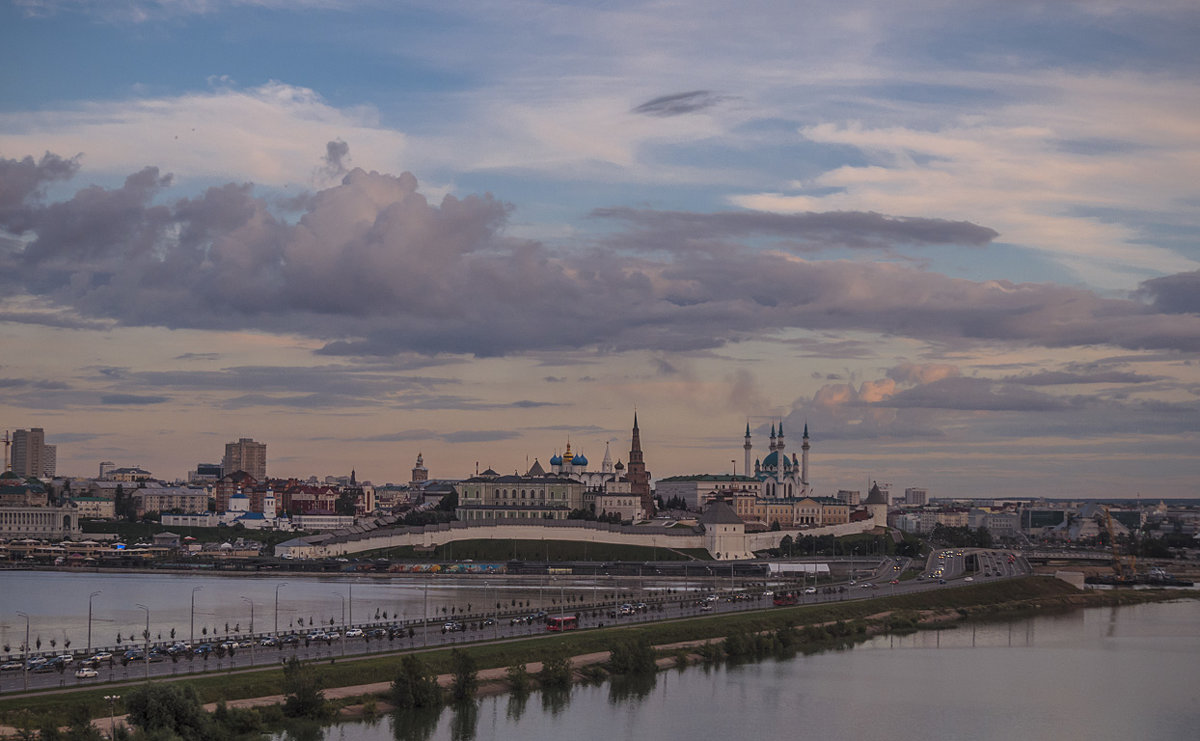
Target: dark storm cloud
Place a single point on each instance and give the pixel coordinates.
(374, 269)
(679, 104)
(1174, 294)
(682, 230)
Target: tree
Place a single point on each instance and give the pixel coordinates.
(168, 708)
(415, 686)
(303, 697)
(466, 678)
(786, 544)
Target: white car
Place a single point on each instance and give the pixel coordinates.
(86, 673)
(810, 590)
(354, 633)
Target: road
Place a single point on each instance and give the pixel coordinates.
(944, 567)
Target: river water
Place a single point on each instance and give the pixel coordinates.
(57, 601)
(1112, 673)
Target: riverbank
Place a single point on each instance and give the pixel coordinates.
(359, 682)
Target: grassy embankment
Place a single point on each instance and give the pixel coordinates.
(941, 608)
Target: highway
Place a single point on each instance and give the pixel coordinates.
(945, 567)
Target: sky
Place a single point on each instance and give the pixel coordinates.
(960, 241)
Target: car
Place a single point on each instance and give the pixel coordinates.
(894, 581)
(86, 672)
(810, 590)
(969, 578)
(867, 585)
(941, 581)
(316, 635)
(382, 632)
(101, 656)
(11, 666)
(204, 649)
(269, 642)
(452, 626)
(290, 640)
(488, 622)
(64, 659)
(354, 633)
(706, 607)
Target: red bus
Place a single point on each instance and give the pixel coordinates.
(564, 622)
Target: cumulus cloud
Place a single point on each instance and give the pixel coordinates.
(1173, 294)
(372, 267)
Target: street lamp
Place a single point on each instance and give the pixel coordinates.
(192, 620)
(25, 664)
(146, 637)
(277, 587)
(342, 597)
(112, 713)
(247, 599)
(89, 646)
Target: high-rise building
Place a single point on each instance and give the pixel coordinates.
(28, 454)
(49, 461)
(246, 455)
(918, 497)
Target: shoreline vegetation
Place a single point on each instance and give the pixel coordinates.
(247, 704)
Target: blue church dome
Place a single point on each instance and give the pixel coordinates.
(556, 460)
(579, 460)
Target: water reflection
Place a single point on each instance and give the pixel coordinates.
(464, 718)
(415, 724)
(631, 688)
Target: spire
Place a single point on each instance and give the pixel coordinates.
(747, 429)
(805, 436)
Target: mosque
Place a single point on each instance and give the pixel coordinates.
(781, 477)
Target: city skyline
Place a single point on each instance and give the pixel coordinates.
(958, 241)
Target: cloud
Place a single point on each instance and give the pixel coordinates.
(1173, 294)
(267, 134)
(337, 153)
(133, 399)
(1067, 378)
(374, 269)
(912, 373)
(679, 104)
(678, 230)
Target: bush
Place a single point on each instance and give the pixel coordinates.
(556, 671)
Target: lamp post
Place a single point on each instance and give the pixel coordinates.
(247, 599)
(425, 615)
(112, 714)
(277, 587)
(192, 619)
(90, 596)
(146, 637)
(25, 663)
(342, 597)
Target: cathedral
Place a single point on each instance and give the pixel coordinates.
(782, 477)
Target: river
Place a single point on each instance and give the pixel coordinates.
(1105, 673)
(57, 601)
